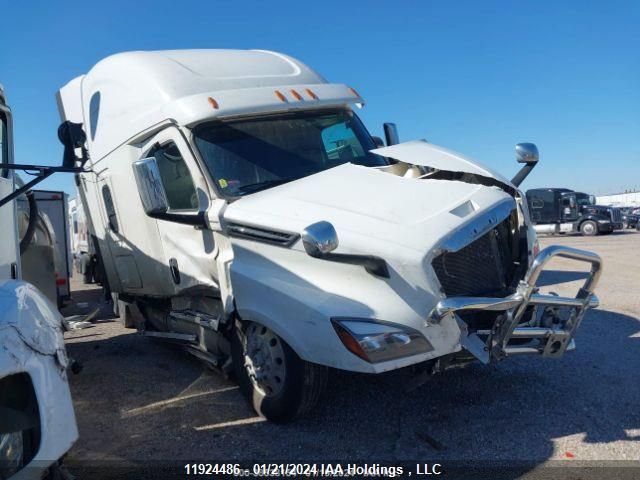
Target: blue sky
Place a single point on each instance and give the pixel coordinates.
(472, 76)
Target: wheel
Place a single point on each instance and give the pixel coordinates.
(277, 383)
(589, 228)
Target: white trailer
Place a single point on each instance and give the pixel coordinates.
(242, 209)
(37, 422)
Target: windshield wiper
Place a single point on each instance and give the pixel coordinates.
(256, 187)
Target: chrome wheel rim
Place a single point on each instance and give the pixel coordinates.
(264, 359)
(588, 228)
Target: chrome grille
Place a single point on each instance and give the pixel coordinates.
(487, 266)
(616, 215)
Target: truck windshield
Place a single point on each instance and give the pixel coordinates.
(583, 199)
(246, 156)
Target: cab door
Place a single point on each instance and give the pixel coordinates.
(189, 251)
(114, 238)
(9, 258)
(568, 208)
(9, 253)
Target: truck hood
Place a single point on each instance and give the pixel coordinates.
(421, 152)
(373, 210)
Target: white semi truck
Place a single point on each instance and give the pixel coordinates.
(37, 422)
(242, 209)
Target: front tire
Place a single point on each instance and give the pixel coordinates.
(589, 228)
(275, 380)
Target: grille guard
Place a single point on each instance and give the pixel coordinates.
(554, 342)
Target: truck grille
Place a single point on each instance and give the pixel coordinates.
(616, 215)
(488, 266)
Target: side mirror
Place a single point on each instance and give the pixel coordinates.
(527, 153)
(72, 136)
(154, 198)
(150, 188)
(379, 143)
(319, 239)
(391, 134)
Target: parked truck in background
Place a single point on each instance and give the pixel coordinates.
(242, 209)
(37, 422)
(85, 257)
(52, 227)
(630, 217)
(560, 210)
(38, 245)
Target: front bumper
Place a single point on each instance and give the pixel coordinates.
(493, 344)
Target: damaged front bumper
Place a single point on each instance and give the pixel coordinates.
(493, 344)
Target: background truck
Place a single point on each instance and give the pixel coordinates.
(560, 210)
(51, 230)
(242, 210)
(37, 422)
(86, 261)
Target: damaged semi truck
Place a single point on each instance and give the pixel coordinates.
(242, 209)
(37, 422)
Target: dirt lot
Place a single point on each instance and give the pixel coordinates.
(139, 400)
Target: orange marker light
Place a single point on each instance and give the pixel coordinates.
(351, 343)
(296, 95)
(280, 96)
(311, 94)
(213, 103)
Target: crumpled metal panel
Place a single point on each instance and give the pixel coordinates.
(32, 342)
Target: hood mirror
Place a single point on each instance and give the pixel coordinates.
(319, 239)
(527, 153)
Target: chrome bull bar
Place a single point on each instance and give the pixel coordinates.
(554, 342)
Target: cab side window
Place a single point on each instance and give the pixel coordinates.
(176, 178)
(109, 206)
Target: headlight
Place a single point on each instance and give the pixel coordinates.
(10, 453)
(604, 221)
(378, 341)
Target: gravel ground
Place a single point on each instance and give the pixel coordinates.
(138, 400)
